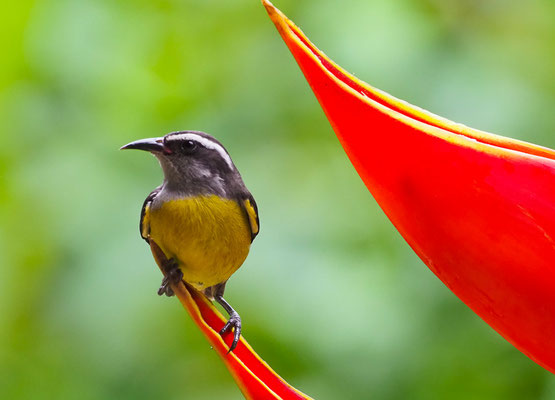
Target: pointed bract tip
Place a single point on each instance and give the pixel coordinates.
(269, 6)
(275, 13)
(278, 18)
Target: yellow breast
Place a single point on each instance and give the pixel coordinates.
(208, 236)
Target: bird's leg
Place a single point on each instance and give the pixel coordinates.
(234, 321)
(172, 275)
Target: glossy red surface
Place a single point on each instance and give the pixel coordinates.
(254, 377)
(477, 208)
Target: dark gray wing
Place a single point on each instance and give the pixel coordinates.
(248, 204)
(143, 223)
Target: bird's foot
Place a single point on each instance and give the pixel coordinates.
(234, 321)
(235, 324)
(173, 275)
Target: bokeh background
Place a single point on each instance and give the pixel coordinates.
(331, 295)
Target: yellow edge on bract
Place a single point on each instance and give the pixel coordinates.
(247, 345)
(463, 135)
(187, 301)
(191, 306)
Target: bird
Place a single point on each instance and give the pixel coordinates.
(202, 216)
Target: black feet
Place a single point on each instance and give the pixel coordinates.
(173, 276)
(233, 323)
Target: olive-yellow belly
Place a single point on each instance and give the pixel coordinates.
(208, 236)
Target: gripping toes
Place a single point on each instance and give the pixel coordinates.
(174, 275)
(235, 324)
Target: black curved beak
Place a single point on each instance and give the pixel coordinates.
(152, 144)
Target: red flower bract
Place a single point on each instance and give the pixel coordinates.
(254, 377)
(477, 208)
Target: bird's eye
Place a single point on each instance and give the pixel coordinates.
(188, 146)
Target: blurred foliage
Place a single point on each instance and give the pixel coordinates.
(331, 296)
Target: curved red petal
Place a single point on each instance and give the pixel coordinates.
(477, 208)
(254, 377)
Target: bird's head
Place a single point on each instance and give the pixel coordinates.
(192, 161)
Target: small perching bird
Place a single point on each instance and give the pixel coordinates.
(202, 216)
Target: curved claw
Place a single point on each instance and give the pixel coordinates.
(165, 288)
(235, 324)
(173, 276)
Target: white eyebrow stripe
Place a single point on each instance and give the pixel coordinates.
(206, 143)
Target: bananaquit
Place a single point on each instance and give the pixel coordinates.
(202, 216)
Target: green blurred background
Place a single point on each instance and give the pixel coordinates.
(331, 295)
